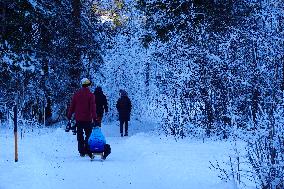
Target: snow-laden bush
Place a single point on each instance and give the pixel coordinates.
(263, 161)
(266, 150)
(237, 169)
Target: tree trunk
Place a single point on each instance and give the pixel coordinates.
(208, 110)
(2, 21)
(255, 102)
(282, 86)
(147, 79)
(46, 39)
(75, 62)
(255, 92)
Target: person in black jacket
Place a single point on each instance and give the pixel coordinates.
(124, 106)
(101, 105)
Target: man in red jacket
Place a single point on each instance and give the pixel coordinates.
(84, 106)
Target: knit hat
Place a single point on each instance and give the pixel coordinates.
(85, 81)
(123, 92)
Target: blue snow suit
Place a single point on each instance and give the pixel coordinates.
(97, 140)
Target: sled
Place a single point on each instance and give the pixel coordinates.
(100, 154)
(97, 144)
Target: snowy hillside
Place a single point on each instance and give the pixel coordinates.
(48, 159)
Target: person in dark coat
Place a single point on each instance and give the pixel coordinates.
(83, 105)
(101, 105)
(123, 106)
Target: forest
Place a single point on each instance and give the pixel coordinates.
(210, 68)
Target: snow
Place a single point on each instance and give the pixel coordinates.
(48, 158)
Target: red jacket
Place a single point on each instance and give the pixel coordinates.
(83, 105)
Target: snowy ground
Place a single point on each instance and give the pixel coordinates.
(48, 159)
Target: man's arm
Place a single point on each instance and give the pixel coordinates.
(105, 104)
(93, 107)
(130, 105)
(117, 104)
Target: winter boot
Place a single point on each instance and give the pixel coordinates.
(91, 155)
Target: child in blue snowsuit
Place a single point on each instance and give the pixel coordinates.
(97, 142)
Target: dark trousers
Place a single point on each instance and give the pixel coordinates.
(99, 119)
(84, 130)
(107, 150)
(123, 122)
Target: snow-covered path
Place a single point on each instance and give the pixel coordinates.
(49, 160)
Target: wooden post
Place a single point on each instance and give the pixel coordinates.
(16, 131)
